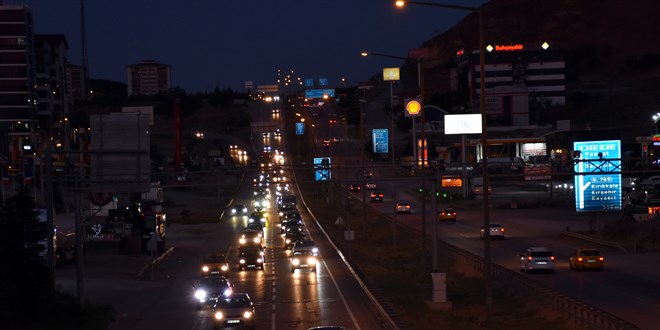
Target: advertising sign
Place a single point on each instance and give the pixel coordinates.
(300, 128)
(598, 184)
(322, 168)
(390, 74)
(379, 138)
(463, 124)
(413, 107)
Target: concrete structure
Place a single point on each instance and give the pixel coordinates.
(148, 78)
(53, 101)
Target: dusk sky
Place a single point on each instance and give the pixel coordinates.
(225, 43)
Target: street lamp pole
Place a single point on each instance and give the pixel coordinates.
(484, 144)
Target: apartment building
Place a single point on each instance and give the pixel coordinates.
(148, 78)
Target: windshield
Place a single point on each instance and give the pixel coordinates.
(235, 301)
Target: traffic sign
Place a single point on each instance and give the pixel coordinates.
(322, 168)
(598, 176)
(300, 128)
(379, 138)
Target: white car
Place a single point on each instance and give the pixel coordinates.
(370, 185)
(537, 259)
(402, 207)
(496, 231)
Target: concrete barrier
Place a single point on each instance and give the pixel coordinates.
(594, 240)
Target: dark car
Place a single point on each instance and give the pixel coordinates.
(291, 224)
(239, 209)
(377, 197)
(210, 288)
(256, 226)
(251, 258)
(303, 260)
(250, 237)
(214, 264)
(236, 310)
(354, 188)
(291, 237)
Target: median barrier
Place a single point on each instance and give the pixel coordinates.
(594, 240)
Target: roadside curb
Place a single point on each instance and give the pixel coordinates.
(594, 240)
(154, 262)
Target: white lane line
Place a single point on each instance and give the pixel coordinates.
(341, 295)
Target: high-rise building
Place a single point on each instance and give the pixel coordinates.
(53, 101)
(75, 75)
(17, 70)
(148, 78)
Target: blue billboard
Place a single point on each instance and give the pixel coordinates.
(319, 93)
(322, 168)
(323, 81)
(309, 82)
(379, 139)
(300, 128)
(598, 184)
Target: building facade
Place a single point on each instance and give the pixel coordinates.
(148, 78)
(51, 87)
(518, 69)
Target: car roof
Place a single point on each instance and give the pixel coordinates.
(538, 248)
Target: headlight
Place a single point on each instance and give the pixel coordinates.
(242, 261)
(233, 211)
(311, 261)
(315, 250)
(247, 314)
(218, 315)
(205, 269)
(242, 240)
(259, 260)
(224, 268)
(257, 240)
(288, 240)
(295, 262)
(200, 294)
(244, 210)
(227, 292)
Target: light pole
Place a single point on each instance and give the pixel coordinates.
(484, 143)
(365, 54)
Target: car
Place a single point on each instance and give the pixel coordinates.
(537, 259)
(402, 207)
(276, 111)
(292, 226)
(354, 188)
(326, 143)
(377, 197)
(250, 237)
(367, 174)
(335, 140)
(258, 216)
(370, 185)
(214, 264)
(447, 214)
(291, 237)
(265, 134)
(210, 288)
(586, 258)
(303, 260)
(256, 226)
(332, 121)
(496, 231)
(305, 245)
(239, 209)
(236, 310)
(251, 258)
(277, 133)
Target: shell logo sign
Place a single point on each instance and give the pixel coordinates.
(413, 108)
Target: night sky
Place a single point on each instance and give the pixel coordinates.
(224, 43)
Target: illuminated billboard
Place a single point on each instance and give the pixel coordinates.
(598, 176)
(463, 124)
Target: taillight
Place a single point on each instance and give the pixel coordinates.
(579, 259)
(552, 258)
(529, 258)
(601, 259)
(502, 229)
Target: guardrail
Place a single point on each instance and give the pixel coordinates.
(594, 240)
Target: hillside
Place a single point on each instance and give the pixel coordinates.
(611, 51)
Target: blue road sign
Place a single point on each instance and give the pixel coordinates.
(322, 168)
(300, 128)
(600, 191)
(379, 139)
(323, 81)
(309, 82)
(319, 93)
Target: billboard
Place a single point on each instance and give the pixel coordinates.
(463, 124)
(379, 138)
(300, 128)
(390, 74)
(598, 176)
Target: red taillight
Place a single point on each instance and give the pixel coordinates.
(579, 259)
(552, 258)
(529, 258)
(502, 229)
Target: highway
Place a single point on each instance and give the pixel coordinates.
(627, 287)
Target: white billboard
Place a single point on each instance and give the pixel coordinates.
(463, 124)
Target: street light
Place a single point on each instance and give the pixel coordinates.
(365, 54)
(484, 143)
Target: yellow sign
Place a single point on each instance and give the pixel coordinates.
(413, 107)
(390, 74)
(452, 182)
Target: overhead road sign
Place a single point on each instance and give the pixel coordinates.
(322, 168)
(597, 167)
(300, 128)
(319, 93)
